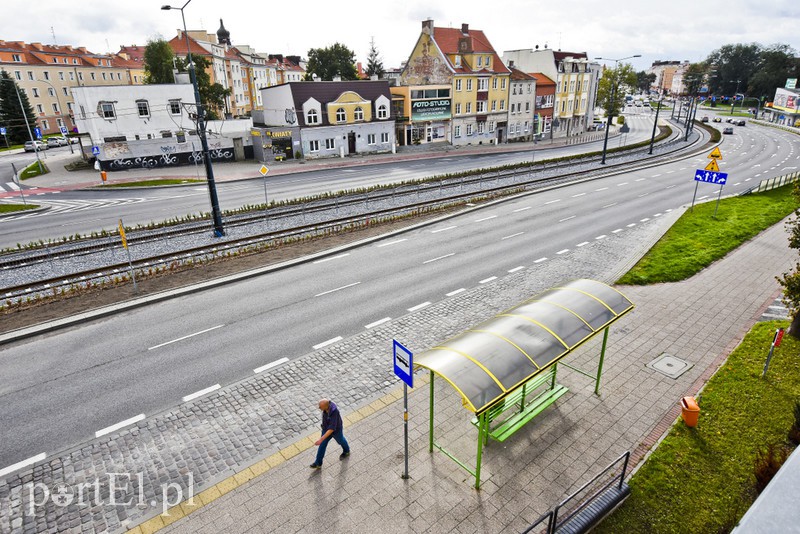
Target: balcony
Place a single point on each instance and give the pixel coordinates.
(482, 96)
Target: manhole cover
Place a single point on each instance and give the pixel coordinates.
(669, 365)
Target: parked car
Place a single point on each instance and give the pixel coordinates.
(53, 142)
(740, 122)
(32, 146)
(704, 119)
(728, 130)
(716, 119)
(730, 120)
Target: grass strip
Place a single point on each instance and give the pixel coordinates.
(33, 170)
(698, 238)
(702, 479)
(10, 208)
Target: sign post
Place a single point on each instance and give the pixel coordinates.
(4, 133)
(711, 174)
(776, 342)
(16, 181)
(264, 170)
(404, 370)
(125, 245)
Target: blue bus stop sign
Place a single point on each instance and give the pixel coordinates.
(403, 363)
(2, 131)
(37, 132)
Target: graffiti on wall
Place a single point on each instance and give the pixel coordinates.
(426, 66)
(169, 158)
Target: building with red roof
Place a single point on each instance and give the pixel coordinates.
(545, 100)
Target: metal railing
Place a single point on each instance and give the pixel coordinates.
(773, 183)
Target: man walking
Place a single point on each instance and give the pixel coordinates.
(332, 427)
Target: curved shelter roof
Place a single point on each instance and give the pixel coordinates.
(487, 362)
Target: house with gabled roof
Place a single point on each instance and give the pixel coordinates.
(464, 61)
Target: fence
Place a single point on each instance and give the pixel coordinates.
(774, 183)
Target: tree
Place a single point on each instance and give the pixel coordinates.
(158, 65)
(335, 60)
(777, 63)
(645, 81)
(791, 280)
(212, 95)
(374, 63)
(612, 88)
(11, 115)
(732, 66)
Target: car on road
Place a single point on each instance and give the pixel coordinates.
(740, 122)
(716, 119)
(32, 146)
(704, 119)
(728, 130)
(54, 142)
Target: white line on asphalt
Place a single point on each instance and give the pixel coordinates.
(618, 230)
(656, 175)
(638, 179)
(121, 424)
(540, 260)
(456, 292)
(601, 189)
(747, 180)
(487, 280)
(390, 243)
(337, 289)
(326, 343)
(657, 215)
(200, 393)
(270, 365)
(419, 306)
(323, 260)
(642, 195)
(24, 463)
(379, 321)
(552, 201)
(703, 197)
(621, 184)
(582, 244)
(486, 218)
(515, 269)
(631, 225)
(671, 186)
(522, 209)
(187, 337)
(439, 258)
(670, 172)
(563, 251)
(578, 195)
(609, 205)
(512, 235)
(601, 236)
(566, 219)
(443, 229)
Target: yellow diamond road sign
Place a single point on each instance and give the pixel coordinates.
(263, 170)
(715, 154)
(712, 166)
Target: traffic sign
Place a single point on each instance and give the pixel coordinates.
(95, 150)
(122, 234)
(715, 154)
(64, 130)
(719, 178)
(37, 132)
(712, 166)
(403, 363)
(263, 170)
(2, 131)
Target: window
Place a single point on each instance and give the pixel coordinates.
(93, 76)
(469, 84)
(166, 133)
(494, 83)
(469, 107)
(480, 107)
(358, 114)
(45, 125)
(312, 117)
(483, 84)
(65, 91)
(458, 84)
(502, 105)
(457, 131)
(107, 110)
(39, 108)
(527, 106)
(494, 105)
(17, 75)
(104, 75)
(72, 76)
(61, 75)
(35, 92)
(69, 107)
(530, 88)
(458, 108)
(503, 84)
(572, 86)
(385, 137)
(330, 143)
(469, 129)
(491, 126)
(340, 117)
(80, 76)
(46, 75)
(60, 123)
(458, 61)
(51, 91)
(30, 75)
(16, 58)
(487, 61)
(527, 127)
(175, 107)
(371, 139)
(55, 108)
(313, 146)
(383, 111)
(119, 76)
(481, 127)
(143, 108)
(55, 60)
(480, 61)
(74, 61)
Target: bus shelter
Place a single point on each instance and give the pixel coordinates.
(505, 368)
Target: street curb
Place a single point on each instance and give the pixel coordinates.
(24, 212)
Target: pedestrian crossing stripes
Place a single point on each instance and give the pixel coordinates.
(10, 187)
(70, 206)
(776, 311)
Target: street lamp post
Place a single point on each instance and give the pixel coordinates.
(734, 95)
(655, 123)
(216, 215)
(27, 125)
(612, 103)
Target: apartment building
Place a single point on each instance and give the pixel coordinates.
(521, 105)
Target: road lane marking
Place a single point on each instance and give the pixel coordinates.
(552, 201)
(631, 225)
(379, 321)
(566, 219)
(512, 235)
(601, 236)
(638, 179)
(610, 205)
(390, 243)
(419, 306)
(703, 197)
(657, 215)
(621, 184)
(601, 189)
(487, 280)
(24, 463)
(645, 219)
(540, 260)
(326, 343)
(200, 393)
(582, 244)
(655, 176)
(578, 195)
(456, 292)
(618, 230)
(323, 260)
(186, 337)
(671, 186)
(443, 229)
(337, 289)
(439, 258)
(515, 269)
(486, 218)
(642, 195)
(270, 365)
(121, 424)
(562, 251)
(522, 209)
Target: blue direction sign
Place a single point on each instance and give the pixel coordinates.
(37, 132)
(403, 363)
(2, 131)
(710, 177)
(95, 150)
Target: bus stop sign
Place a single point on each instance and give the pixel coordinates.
(403, 363)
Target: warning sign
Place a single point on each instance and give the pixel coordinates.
(122, 235)
(715, 154)
(712, 166)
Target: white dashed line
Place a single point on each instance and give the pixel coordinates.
(540, 260)
(703, 197)
(618, 230)
(623, 183)
(578, 195)
(522, 209)
(487, 280)
(631, 225)
(24, 463)
(562, 251)
(582, 244)
(337, 289)
(270, 365)
(512, 235)
(515, 269)
(121, 424)
(200, 393)
(657, 215)
(390, 243)
(567, 218)
(439, 258)
(486, 218)
(656, 175)
(642, 195)
(323, 260)
(601, 236)
(552, 201)
(645, 219)
(443, 229)
(186, 337)
(456, 292)
(610, 205)
(639, 180)
(601, 189)
(419, 306)
(326, 343)
(378, 322)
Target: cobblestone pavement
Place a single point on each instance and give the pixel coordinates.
(202, 443)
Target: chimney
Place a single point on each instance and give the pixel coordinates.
(465, 29)
(427, 27)
(37, 46)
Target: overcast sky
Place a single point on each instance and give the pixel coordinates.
(677, 30)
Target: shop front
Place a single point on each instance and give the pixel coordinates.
(275, 144)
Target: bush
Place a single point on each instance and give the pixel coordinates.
(767, 464)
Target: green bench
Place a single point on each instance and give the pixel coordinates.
(521, 405)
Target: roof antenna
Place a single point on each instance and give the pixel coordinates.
(54, 35)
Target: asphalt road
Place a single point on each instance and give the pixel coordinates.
(59, 389)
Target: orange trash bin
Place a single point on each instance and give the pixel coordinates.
(690, 411)
(103, 175)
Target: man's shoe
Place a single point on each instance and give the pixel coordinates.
(315, 466)
(344, 455)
